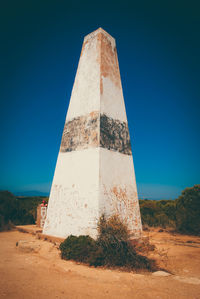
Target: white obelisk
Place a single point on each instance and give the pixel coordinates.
(94, 174)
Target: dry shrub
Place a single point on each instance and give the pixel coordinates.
(112, 247)
(144, 246)
(117, 248)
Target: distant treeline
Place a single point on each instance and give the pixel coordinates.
(182, 214)
(18, 210)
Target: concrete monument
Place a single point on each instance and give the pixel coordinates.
(94, 173)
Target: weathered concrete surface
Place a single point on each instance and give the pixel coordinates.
(31, 229)
(81, 133)
(94, 130)
(41, 215)
(94, 172)
(114, 135)
(74, 200)
(118, 191)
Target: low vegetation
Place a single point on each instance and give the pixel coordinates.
(160, 213)
(112, 247)
(17, 210)
(181, 215)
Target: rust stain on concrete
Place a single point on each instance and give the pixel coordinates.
(120, 193)
(108, 62)
(106, 57)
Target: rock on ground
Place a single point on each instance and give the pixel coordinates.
(161, 273)
(28, 246)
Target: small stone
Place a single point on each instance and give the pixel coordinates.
(161, 273)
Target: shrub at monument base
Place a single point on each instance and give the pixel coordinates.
(78, 248)
(112, 247)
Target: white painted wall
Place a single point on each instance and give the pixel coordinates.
(87, 184)
(73, 205)
(112, 101)
(118, 191)
(85, 97)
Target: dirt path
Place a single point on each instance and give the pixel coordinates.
(44, 275)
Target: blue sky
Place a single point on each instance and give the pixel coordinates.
(158, 50)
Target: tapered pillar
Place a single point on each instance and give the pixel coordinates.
(94, 173)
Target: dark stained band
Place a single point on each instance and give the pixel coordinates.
(114, 135)
(94, 130)
(81, 133)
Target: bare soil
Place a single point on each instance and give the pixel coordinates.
(43, 274)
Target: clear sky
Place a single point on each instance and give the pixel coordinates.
(158, 44)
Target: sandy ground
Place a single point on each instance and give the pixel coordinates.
(45, 275)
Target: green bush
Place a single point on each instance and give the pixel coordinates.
(158, 213)
(8, 209)
(18, 210)
(112, 247)
(78, 248)
(188, 211)
(182, 214)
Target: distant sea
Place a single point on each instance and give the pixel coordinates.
(30, 193)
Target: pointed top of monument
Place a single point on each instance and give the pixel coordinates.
(97, 32)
